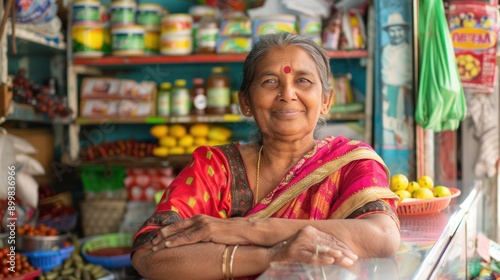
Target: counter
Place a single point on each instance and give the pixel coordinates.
(434, 246)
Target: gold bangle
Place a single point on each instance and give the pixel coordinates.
(224, 263)
(231, 262)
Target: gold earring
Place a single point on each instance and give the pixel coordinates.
(279, 94)
(248, 112)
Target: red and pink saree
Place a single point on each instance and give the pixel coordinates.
(337, 179)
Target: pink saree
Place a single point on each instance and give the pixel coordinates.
(337, 179)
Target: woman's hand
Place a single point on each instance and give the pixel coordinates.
(312, 246)
(200, 228)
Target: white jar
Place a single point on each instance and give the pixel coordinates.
(176, 44)
(179, 24)
(128, 40)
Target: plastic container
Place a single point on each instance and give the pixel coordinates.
(128, 40)
(123, 13)
(218, 92)
(179, 24)
(181, 103)
(47, 260)
(198, 97)
(206, 34)
(97, 178)
(86, 12)
(150, 15)
(176, 44)
(88, 40)
(163, 102)
(107, 241)
(152, 41)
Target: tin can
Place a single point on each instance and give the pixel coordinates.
(86, 12)
(87, 40)
(128, 40)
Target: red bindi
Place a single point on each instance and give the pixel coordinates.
(287, 69)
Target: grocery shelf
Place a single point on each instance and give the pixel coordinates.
(126, 161)
(194, 58)
(197, 119)
(171, 119)
(27, 113)
(29, 42)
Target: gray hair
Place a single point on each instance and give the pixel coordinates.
(281, 40)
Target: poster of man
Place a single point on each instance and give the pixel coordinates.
(394, 96)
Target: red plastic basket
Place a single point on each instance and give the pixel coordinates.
(426, 206)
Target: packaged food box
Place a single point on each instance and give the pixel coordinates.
(240, 26)
(138, 90)
(98, 108)
(136, 108)
(233, 44)
(100, 87)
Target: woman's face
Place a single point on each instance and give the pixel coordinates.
(292, 73)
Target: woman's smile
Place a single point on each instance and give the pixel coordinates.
(286, 113)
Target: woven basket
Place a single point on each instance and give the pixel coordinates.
(426, 206)
(102, 216)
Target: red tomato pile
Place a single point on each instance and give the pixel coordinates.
(40, 230)
(13, 266)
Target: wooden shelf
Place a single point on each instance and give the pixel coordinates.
(194, 58)
(172, 160)
(27, 113)
(30, 43)
(228, 118)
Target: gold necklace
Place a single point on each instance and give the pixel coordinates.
(258, 175)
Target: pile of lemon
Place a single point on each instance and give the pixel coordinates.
(178, 139)
(422, 188)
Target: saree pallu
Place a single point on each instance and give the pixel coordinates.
(337, 179)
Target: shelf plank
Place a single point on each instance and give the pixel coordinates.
(30, 43)
(194, 58)
(27, 113)
(227, 118)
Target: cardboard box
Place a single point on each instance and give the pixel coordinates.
(100, 87)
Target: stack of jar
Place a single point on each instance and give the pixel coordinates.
(89, 23)
(127, 37)
(176, 34)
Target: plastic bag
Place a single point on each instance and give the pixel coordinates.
(440, 102)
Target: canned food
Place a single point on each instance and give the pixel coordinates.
(150, 15)
(180, 24)
(152, 41)
(87, 40)
(128, 40)
(86, 12)
(176, 44)
(123, 13)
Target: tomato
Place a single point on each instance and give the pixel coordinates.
(5, 271)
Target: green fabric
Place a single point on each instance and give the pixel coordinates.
(441, 102)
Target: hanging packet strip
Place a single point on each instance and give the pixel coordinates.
(440, 101)
(473, 27)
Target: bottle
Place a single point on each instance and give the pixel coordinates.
(218, 92)
(206, 35)
(181, 104)
(198, 97)
(163, 100)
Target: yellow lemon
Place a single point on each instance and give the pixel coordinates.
(177, 130)
(403, 194)
(423, 193)
(398, 182)
(160, 151)
(200, 141)
(219, 133)
(426, 182)
(199, 130)
(190, 150)
(159, 131)
(168, 141)
(186, 141)
(413, 186)
(177, 151)
(441, 191)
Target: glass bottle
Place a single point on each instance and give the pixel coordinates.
(206, 35)
(181, 104)
(218, 92)
(163, 100)
(198, 97)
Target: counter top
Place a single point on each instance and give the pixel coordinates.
(424, 238)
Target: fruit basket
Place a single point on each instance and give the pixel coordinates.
(413, 206)
(110, 250)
